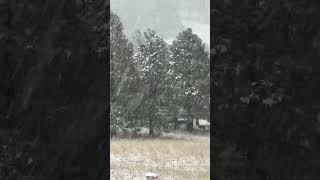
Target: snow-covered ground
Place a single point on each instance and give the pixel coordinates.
(182, 156)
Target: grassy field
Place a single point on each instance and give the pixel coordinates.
(175, 156)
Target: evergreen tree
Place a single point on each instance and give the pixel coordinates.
(152, 61)
(123, 75)
(191, 72)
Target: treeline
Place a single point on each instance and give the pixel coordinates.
(152, 81)
(265, 84)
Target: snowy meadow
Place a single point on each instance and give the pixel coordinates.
(173, 156)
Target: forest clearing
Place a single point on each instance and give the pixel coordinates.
(159, 92)
(175, 156)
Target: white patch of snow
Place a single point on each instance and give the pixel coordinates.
(204, 122)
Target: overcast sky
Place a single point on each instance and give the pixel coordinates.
(167, 17)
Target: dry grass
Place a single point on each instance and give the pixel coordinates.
(177, 156)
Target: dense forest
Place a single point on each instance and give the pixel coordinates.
(265, 89)
(54, 89)
(155, 84)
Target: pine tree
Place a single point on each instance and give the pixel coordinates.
(123, 75)
(191, 71)
(152, 61)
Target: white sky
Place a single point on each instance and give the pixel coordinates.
(168, 17)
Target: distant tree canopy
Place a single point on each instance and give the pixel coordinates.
(265, 87)
(159, 78)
